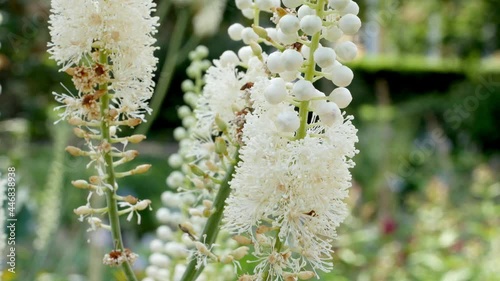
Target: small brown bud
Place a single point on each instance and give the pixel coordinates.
(70, 71)
(130, 199)
(136, 138)
(240, 252)
(305, 275)
(79, 132)
(130, 154)
(94, 179)
(75, 121)
(134, 122)
(112, 113)
(281, 12)
(141, 169)
(262, 229)
(80, 184)
(242, 240)
(75, 151)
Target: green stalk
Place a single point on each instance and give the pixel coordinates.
(167, 70)
(212, 227)
(114, 218)
(309, 75)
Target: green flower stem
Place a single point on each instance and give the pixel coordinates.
(114, 219)
(212, 227)
(309, 74)
(167, 70)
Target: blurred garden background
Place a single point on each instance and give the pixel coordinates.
(426, 191)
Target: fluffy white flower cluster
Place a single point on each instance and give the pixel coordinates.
(107, 48)
(288, 188)
(83, 31)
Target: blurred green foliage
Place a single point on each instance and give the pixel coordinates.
(426, 192)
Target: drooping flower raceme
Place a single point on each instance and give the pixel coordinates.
(107, 48)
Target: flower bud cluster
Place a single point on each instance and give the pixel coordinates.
(207, 142)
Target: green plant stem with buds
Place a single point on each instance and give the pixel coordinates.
(212, 227)
(304, 105)
(114, 218)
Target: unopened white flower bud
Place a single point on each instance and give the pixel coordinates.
(266, 5)
(288, 121)
(292, 4)
(286, 39)
(159, 260)
(341, 75)
(183, 111)
(305, 10)
(176, 249)
(338, 4)
(324, 56)
(289, 76)
(245, 53)
(346, 51)
(229, 58)
(311, 24)
(164, 233)
(351, 8)
(243, 4)
(292, 59)
(329, 113)
(189, 121)
(240, 252)
(195, 212)
(289, 24)
(143, 204)
(248, 35)
(305, 275)
(332, 33)
(303, 90)
(341, 96)
(175, 179)
(156, 246)
(83, 210)
(350, 24)
(180, 133)
(272, 33)
(234, 31)
(276, 91)
(248, 13)
(190, 98)
(163, 215)
(175, 160)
